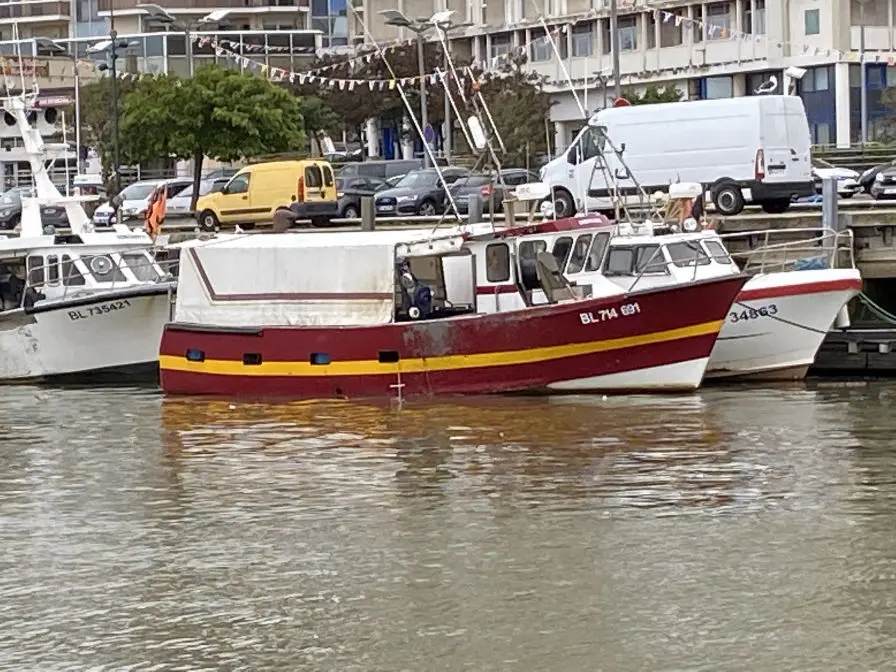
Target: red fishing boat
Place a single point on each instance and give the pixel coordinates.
(317, 315)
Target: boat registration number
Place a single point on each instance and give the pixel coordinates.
(96, 311)
(607, 314)
(753, 313)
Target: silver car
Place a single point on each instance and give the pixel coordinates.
(135, 197)
(181, 204)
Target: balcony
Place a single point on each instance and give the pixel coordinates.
(44, 12)
(205, 6)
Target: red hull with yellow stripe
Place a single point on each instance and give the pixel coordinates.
(483, 353)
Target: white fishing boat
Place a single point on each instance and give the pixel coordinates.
(772, 331)
(85, 303)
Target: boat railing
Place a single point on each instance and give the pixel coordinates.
(801, 249)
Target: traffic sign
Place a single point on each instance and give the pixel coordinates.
(429, 134)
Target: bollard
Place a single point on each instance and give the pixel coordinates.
(474, 210)
(368, 219)
(829, 203)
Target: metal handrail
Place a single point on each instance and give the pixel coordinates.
(828, 243)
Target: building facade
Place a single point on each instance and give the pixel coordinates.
(706, 49)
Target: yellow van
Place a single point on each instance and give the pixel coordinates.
(306, 187)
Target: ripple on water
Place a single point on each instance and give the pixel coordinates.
(737, 529)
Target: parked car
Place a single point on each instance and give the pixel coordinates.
(847, 179)
(224, 172)
(134, 198)
(420, 192)
(350, 190)
(491, 189)
(384, 169)
(392, 181)
(866, 179)
(11, 210)
(182, 204)
(884, 185)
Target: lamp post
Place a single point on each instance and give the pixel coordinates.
(443, 22)
(863, 79)
(110, 47)
(54, 48)
(614, 42)
(395, 18)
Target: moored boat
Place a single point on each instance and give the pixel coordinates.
(396, 313)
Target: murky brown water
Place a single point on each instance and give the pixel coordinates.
(740, 529)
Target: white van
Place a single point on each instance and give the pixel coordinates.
(753, 149)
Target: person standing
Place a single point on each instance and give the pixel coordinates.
(156, 209)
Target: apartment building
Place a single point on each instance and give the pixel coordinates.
(706, 49)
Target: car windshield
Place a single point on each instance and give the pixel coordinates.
(11, 198)
(137, 192)
(204, 187)
(421, 179)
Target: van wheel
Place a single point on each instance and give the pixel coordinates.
(248, 227)
(208, 221)
(775, 207)
(728, 199)
(564, 204)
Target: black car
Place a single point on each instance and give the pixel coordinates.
(11, 210)
(420, 192)
(350, 190)
(868, 179)
(492, 190)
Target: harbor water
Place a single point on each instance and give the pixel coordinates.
(736, 529)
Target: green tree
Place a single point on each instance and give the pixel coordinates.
(220, 112)
(653, 94)
(318, 118)
(521, 110)
(96, 115)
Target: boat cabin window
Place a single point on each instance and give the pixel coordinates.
(635, 260)
(717, 251)
(497, 262)
(52, 270)
(35, 270)
(650, 259)
(579, 254)
(562, 248)
(598, 251)
(141, 266)
(687, 253)
(104, 268)
(528, 251)
(71, 276)
(313, 177)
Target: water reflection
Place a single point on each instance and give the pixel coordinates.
(736, 529)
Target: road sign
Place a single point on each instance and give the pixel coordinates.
(429, 134)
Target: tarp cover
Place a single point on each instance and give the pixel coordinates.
(319, 279)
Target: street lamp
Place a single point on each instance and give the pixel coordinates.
(55, 49)
(442, 21)
(863, 78)
(110, 47)
(395, 18)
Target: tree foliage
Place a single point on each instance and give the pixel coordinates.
(97, 114)
(653, 94)
(221, 113)
(514, 95)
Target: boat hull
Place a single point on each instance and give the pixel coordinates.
(515, 351)
(779, 322)
(112, 333)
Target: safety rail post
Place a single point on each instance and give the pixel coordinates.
(829, 203)
(368, 216)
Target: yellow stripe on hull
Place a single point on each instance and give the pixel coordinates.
(431, 364)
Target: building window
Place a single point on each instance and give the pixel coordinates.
(871, 13)
(718, 87)
(821, 134)
(811, 20)
(514, 11)
(500, 45)
(718, 21)
(628, 33)
(754, 21)
(541, 50)
(670, 31)
(816, 79)
(582, 37)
